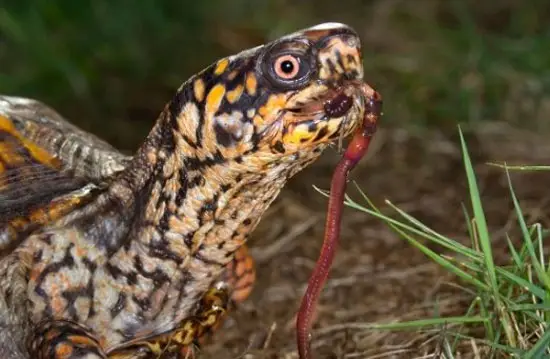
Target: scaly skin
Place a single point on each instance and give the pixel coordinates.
(136, 249)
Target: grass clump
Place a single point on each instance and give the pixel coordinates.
(510, 302)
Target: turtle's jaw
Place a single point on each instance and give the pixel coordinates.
(326, 117)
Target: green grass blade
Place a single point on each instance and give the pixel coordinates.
(468, 222)
(520, 168)
(515, 256)
(420, 230)
(529, 307)
(431, 254)
(539, 270)
(481, 223)
(436, 237)
(539, 350)
(416, 324)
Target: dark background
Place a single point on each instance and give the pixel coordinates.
(111, 65)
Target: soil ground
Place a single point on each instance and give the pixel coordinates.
(377, 276)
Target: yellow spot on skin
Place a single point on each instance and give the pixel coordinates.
(234, 95)
(251, 112)
(198, 90)
(221, 66)
(298, 134)
(214, 99)
(258, 120)
(6, 125)
(39, 154)
(61, 208)
(275, 103)
(211, 107)
(251, 83)
(40, 216)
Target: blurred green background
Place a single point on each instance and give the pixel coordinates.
(110, 66)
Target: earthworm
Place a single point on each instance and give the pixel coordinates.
(354, 152)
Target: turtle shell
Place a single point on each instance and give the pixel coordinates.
(48, 167)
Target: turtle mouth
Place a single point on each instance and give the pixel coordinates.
(333, 114)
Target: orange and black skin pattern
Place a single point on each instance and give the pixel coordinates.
(43, 158)
(143, 252)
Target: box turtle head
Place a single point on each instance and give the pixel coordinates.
(281, 102)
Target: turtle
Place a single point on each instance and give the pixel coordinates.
(111, 255)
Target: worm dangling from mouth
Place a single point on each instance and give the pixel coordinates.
(354, 152)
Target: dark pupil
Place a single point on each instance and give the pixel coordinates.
(287, 67)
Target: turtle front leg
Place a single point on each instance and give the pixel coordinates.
(240, 275)
(179, 342)
(238, 281)
(62, 339)
(235, 286)
(238, 278)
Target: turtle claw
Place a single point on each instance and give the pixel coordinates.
(182, 342)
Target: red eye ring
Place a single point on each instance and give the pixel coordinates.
(286, 67)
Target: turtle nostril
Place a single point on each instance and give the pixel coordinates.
(338, 105)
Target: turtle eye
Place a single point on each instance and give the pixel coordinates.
(287, 67)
